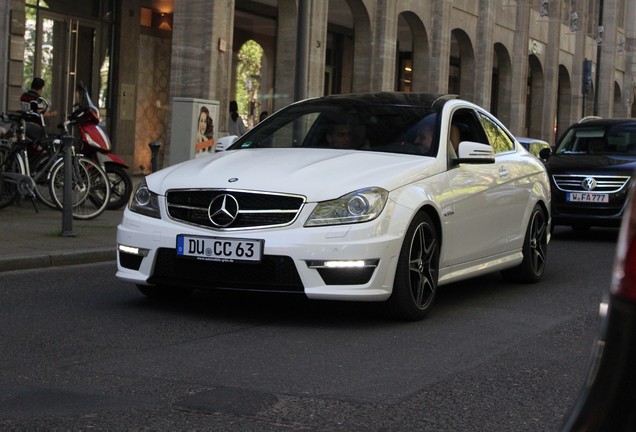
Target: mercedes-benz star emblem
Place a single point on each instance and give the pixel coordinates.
(223, 210)
(589, 183)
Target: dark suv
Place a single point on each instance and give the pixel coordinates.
(590, 173)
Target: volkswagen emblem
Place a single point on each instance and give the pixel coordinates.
(589, 183)
(223, 210)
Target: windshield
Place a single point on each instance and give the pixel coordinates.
(347, 124)
(619, 139)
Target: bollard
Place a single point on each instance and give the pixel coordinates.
(154, 161)
(67, 197)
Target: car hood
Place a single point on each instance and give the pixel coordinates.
(578, 163)
(318, 174)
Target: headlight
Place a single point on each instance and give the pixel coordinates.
(144, 201)
(359, 206)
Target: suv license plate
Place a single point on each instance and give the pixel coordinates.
(219, 249)
(587, 197)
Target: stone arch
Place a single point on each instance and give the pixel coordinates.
(462, 65)
(349, 47)
(501, 93)
(564, 113)
(534, 101)
(277, 36)
(412, 45)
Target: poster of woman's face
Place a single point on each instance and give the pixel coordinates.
(204, 142)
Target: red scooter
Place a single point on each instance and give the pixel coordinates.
(95, 145)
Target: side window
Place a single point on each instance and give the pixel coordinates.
(465, 124)
(498, 139)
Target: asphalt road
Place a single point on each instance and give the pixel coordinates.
(81, 350)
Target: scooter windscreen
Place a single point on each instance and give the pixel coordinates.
(86, 110)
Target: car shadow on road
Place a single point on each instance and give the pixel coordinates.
(254, 308)
(601, 235)
(273, 308)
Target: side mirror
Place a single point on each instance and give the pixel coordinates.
(223, 143)
(475, 153)
(545, 153)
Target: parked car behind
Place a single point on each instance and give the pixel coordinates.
(608, 400)
(535, 146)
(368, 197)
(590, 173)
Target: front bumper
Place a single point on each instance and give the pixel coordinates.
(588, 214)
(292, 261)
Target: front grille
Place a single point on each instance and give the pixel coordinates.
(604, 184)
(255, 209)
(274, 273)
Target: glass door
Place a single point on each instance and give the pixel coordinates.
(63, 53)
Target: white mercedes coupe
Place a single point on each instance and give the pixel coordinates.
(364, 197)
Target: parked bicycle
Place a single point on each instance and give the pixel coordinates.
(36, 169)
(22, 160)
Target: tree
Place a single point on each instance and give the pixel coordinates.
(248, 79)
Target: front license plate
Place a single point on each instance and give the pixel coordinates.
(219, 249)
(587, 197)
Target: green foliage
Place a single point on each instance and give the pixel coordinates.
(45, 52)
(248, 75)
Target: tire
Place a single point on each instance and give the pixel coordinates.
(37, 163)
(164, 292)
(42, 191)
(415, 284)
(90, 188)
(120, 186)
(535, 248)
(9, 164)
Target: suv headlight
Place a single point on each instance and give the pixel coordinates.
(360, 206)
(144, 201)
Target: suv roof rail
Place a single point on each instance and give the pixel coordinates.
(588, 118)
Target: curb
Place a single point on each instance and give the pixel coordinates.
(57, 259)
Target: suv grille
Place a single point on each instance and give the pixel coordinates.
(251, 209)
(604, 184)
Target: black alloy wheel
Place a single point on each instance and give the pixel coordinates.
(415, 283)
(535, 250)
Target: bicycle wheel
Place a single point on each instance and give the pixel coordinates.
(8, 190)
(9, 163)
(120, 186)
(42, 188)
(40, 165)
(90, 189)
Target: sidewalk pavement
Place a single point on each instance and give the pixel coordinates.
(30, 239)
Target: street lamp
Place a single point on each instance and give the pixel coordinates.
(599, 40)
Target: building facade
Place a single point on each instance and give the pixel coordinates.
(539, 65)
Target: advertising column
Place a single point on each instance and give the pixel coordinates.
(192, 128)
